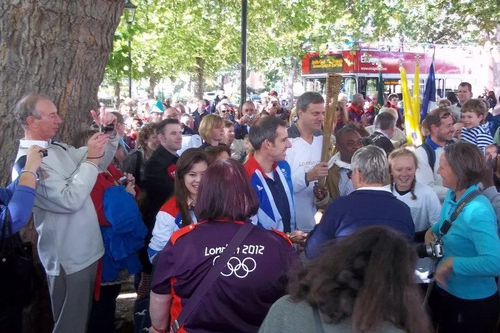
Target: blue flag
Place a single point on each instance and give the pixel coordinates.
(429, 100)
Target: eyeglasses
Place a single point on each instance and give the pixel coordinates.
(445, 115)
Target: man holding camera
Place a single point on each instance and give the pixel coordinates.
(248, 117)
(69, 242)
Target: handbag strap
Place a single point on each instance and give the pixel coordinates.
(317, 320)
(212, 275)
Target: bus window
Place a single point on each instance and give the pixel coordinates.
(452, 84)
(348, 87)
(440, 90)
(367, 86)
(371, 86)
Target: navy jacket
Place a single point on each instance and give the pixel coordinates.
(240, 131)
(362, 208)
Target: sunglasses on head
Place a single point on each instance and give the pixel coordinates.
(445, 115)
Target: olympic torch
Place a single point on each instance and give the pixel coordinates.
(333, 82)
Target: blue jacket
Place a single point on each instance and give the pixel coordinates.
(473, 243)
(362, 208)
(20, 200)
(126, 235)
(268, 216)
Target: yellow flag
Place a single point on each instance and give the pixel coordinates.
(411, 107)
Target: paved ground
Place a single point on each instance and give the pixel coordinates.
(125, 307)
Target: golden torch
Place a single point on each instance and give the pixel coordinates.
(333, 82)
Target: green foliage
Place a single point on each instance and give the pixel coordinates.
(167, 36)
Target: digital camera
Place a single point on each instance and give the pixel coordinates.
(108, 128)
(431, 250)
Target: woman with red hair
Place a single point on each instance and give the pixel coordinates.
(254, 277)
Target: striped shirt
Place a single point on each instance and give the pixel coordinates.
(480, 136)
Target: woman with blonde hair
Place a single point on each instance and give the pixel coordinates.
(211, 130)
(424, 203)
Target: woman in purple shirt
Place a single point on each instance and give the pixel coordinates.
(254, 277)
(19, 198)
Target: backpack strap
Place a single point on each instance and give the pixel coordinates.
(431, 154)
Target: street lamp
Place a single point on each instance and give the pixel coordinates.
(130, 15)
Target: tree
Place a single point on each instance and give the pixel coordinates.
(57, 48)
(60, 49)
(118, 64)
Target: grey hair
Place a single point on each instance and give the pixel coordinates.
(307, 98)
(385, 121)
(371, 161)
(264, 129)
(357, 98)
(26, 107)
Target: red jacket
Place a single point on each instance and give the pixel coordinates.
(105, 180)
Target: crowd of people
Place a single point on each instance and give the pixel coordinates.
(230, 221)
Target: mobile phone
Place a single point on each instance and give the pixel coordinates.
(123, 180)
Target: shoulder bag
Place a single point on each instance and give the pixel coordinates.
(212, 275)
(18, 279)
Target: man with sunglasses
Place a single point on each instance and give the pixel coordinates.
(440, 125)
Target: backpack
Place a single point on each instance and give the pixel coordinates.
(431, 154)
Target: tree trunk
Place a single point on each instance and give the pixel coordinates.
(290, 81)
(153, 81)
(200, 64)
(117, 89)
(58, 48)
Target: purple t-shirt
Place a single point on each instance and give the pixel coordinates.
(240, 298)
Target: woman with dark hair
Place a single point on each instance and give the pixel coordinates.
(363, 283)
(465, 296)
(135, 162)
(178, 212)
(491, 98)
(220, 152)
(252, 280)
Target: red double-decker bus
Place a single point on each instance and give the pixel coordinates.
(360, 68)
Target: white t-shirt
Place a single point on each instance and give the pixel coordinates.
(189, 141)
(430, 177)
(425, 211)
(302, 157)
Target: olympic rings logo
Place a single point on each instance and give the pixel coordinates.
(240, 268)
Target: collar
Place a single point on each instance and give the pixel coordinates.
(251, 165)
(372, 188)
(383, 133)
(25, 144)
(470, 189)
(335, 160)
(356, 110)
(226, 220)
(163, 151)
(432, 143)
